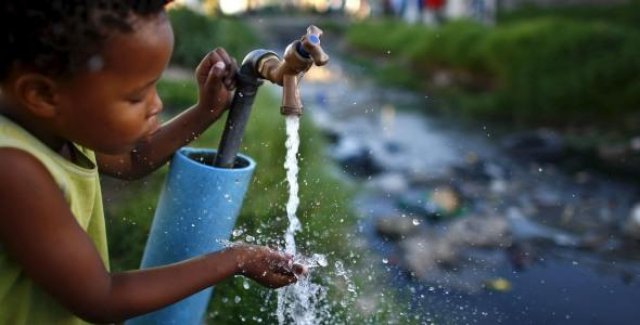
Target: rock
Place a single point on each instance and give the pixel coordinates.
(498, 186)
(540, 145)
(634, 144)
(498, 284)
(355, 157)
(487, 232)
(395, 228)
(612, 153)
(439, 262)
(441, 202)
(620, 158)
(446, 199)
(423, 254)
(632, 225)
(347, 147)
(389, 183)
(522, 255)
(522, 228)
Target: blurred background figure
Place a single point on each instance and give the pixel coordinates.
(434, 13)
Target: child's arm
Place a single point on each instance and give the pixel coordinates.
(214, 81)
(39, 232)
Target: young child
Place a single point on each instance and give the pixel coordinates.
(78, 96)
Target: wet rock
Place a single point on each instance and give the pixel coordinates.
(486, 232)
(395, 228)
(439, 203)
(498, 186)
(522, 255)
(361, 165)
(522, 228)
(634, 144)
(422, 254)
(439, 262)
(631, 227)
(389, 154)
(356, 157)
(621, 158)
(479, 170)
(596, 240)
(540, 145)
(347, 147)
(498, 284)
(454, 251)
(389, 183)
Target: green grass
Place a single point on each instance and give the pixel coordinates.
(627, 14)
(547, 70)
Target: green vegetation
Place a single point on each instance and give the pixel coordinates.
(624, 14)
(196, 35)
(549, 69)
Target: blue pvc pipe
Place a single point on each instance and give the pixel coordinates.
(196, 213)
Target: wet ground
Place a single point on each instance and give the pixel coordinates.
(470, 231)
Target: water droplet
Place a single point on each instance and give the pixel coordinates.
(321, 260)
(250, 239)
(237, 299)
(237, 232)
(385, 261)
(415, 222)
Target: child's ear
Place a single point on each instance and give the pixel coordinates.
(37, 93)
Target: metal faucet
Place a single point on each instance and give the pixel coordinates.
(298, 58)
(261, 65)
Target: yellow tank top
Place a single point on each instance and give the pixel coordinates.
(21, 301)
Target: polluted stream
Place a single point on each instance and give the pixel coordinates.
(469, 231)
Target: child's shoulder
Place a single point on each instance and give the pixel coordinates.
(17, 145)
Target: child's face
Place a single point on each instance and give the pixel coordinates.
(112, 108)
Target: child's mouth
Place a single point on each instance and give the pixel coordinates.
(154, 125)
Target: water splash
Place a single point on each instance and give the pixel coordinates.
(298, 303)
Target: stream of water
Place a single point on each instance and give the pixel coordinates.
(299, 303)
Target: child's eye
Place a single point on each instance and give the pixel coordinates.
(136, 100)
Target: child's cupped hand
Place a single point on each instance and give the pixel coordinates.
(270, 268)
(216, 79)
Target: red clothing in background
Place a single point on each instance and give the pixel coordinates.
(434, 4)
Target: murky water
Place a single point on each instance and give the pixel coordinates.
(560, 256)
(469, 233)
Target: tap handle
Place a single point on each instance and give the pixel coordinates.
(310, 44)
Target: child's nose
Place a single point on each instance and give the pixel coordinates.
(156, 104)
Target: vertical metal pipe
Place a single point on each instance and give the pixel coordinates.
(247, 87)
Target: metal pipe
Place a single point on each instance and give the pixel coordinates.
(247, 83)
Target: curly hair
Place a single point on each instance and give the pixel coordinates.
(58, 37)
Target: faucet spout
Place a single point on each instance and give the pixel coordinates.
(287, 72)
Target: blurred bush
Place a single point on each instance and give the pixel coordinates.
(551, 70)
(197, 34)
